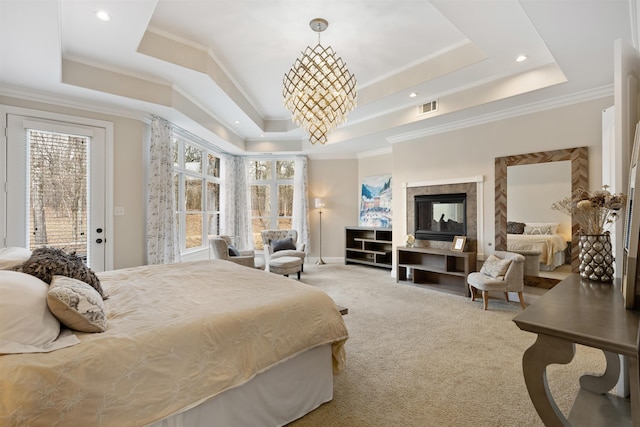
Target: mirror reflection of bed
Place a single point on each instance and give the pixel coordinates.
(534, 229)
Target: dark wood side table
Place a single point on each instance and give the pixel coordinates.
(578, 311)
(443, 267)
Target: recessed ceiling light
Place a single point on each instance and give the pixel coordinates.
(103, 15)
(521, 58)
(237, 122)
(413, 95)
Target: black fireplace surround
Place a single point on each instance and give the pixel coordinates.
(440, 216)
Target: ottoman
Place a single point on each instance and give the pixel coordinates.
(286, 265)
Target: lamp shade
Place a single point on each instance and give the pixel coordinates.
(319, 203)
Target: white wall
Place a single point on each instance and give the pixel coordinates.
(128, 175)
(472, 151)
(458, 153)
(335, 181)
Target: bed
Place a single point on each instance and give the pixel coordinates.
(185, 344)
(545, 240)
(552, 248)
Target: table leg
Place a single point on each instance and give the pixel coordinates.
(605, 382)
(545, 351)
(634, 389)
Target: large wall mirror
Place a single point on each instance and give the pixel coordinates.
(575, 158)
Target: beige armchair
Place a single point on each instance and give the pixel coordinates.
(501, 272)
(220, 250)
(269, 237)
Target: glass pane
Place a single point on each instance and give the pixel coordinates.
(285, 200)
(58, 200)
(260, 200)
(285, 169)
(193, 193)
(214, 223)
(257, 225)
(192, 158)
(194, 230)
(259, 170)
(213, 196)
(284, 224)
(213, 165)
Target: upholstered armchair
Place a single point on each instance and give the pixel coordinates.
(220, 250)
(501, 272)
(277, 245)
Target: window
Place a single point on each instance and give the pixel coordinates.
(58, 201)
(197, 191)
(271, 187)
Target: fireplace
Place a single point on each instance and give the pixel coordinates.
(440, 216)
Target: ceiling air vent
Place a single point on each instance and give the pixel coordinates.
(428, 107)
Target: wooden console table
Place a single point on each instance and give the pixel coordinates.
(578, 311)
(443, 267)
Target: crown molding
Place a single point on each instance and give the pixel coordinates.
(374, 153)
(520, 110)
(60, 101)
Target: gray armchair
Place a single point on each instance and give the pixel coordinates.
(220, 250)
(493, 277)
(271, 236)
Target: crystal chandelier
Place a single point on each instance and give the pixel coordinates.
(319, 90)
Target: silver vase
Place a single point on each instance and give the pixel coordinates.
(596, 257)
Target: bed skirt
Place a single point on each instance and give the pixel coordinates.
(276, 397)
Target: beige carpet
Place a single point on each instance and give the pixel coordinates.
(418, 357)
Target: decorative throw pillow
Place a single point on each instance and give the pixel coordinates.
(26, 324)
(495, 267)
(541, 228)
(47, 262)
(282, 244)
(515, 227)
(233, 251)
(77, 305)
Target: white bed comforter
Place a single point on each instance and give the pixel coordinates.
(547, 244)
(177, 334)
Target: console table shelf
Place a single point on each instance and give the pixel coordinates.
(368, 246)
(444, 268)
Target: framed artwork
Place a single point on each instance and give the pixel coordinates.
(375, 201)
(458, 243)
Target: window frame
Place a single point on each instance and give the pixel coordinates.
(181, 173)
(273, 183)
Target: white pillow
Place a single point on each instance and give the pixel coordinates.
(13, 257)
(26, 324)
(541, 228)
(495, 267)
(77, 304)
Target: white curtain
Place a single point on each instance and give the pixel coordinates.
(162, 235)
(236, 207)
(300, 217)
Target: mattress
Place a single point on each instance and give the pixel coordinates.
(177, 335)
(547, 244)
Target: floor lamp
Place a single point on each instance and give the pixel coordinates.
(319, 205)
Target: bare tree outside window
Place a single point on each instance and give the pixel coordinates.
(58, 191)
